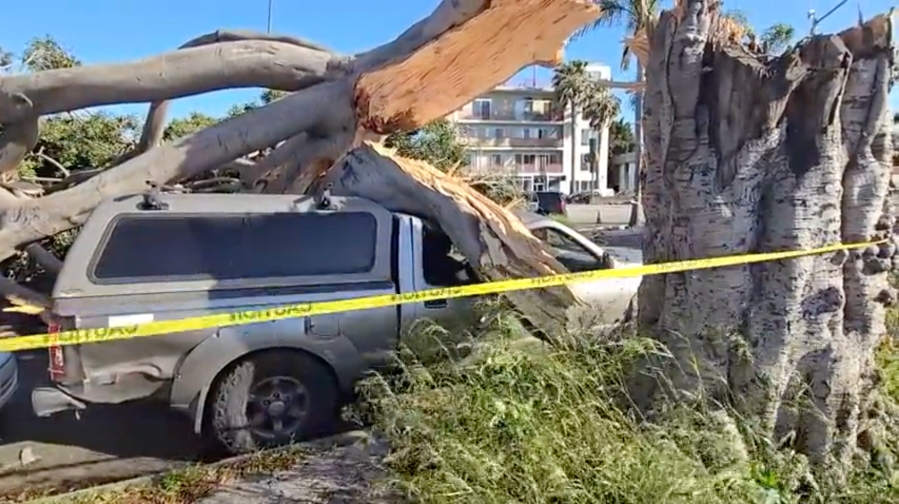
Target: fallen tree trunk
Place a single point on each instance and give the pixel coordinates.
(463, 49)
(753, 155)
(496, 244)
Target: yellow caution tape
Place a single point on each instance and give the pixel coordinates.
(81, 336)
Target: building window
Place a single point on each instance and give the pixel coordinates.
(525, 159)
(481, 109)
(496, 160)
(498, 133)
(586, 162)
(527, 132)
(585, 136)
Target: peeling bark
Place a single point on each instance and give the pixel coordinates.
(494, 242)
(458, 52)
(748, 155)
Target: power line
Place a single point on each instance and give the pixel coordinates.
(817, 20)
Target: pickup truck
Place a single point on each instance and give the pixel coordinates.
(171, 256)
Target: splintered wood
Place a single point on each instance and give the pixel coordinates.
(493, 240)
(468, 60)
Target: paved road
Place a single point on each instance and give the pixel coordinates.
(106, 444)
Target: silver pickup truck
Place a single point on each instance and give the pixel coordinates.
(140, 259)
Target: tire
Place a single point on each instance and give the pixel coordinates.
(237, 403)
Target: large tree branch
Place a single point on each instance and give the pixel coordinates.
(205, 150)
(171, 75)
(41, 255)
(16, 141)
(310, 159)
(494, 242)
(461, 50)
(154, 125)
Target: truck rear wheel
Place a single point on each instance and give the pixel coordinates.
(273, 398)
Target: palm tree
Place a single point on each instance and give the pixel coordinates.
(636, 15)
(774, 40)
(777, 37)
(571, 83)
(600, 107)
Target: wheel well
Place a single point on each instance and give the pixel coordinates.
(249, 355)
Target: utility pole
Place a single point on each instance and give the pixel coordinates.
(817, 20)
(269, 25)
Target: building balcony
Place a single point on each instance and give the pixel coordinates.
(522, 169)
(526, 117)
(513, 142)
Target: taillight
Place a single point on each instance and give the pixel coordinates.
(57, 359)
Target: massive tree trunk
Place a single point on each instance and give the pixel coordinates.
(751, 154)
(463, 49)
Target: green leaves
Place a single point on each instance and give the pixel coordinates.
(437, 143)
(184, 126)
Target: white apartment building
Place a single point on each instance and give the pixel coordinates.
(516, 130)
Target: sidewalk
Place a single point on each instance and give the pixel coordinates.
(338, 475)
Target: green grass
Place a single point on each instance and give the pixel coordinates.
(505, 419)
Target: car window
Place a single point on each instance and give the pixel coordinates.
(443, 265)
(148, 248)
(574, 256)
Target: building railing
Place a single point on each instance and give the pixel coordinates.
(474, 142)
(527, 116)
(523, 169)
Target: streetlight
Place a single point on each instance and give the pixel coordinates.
(269, 25)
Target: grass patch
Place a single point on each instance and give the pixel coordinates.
(504, 419)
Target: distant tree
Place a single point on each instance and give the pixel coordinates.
(266, 97)
(181, 127)
(621, 137)
(600, 107)
(571, 84)
(636, 16)
(45, 53)
(437, 143)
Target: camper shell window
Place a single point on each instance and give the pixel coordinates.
(154, 248)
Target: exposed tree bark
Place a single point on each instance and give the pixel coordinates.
(154, 125)
(16, 141)
(495, 243)
(752, 155)
(171, 75)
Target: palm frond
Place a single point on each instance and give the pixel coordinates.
(613, 12)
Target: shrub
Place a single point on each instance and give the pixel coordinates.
(503, 418)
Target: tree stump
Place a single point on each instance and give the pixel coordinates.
(751, 154)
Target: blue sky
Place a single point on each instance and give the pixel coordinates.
(120, 30)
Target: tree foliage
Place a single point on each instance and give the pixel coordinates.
(621, 137)
(600, 107)
(437, 143)
(183, 126)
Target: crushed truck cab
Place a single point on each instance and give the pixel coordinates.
(140, 259)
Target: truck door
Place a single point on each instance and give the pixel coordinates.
(439, 265)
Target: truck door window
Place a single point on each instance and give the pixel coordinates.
(442, 265)
(574, 256)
